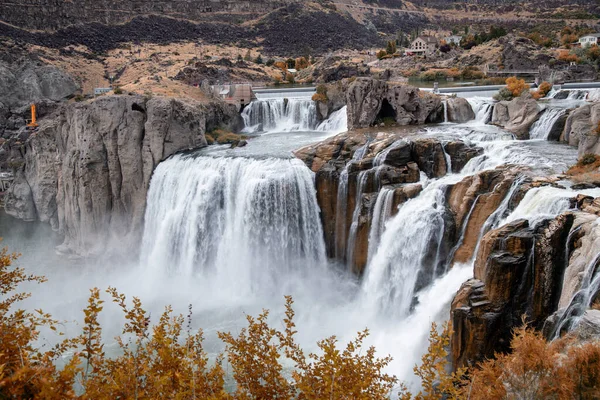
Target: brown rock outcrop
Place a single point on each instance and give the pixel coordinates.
(351, 169)
(473, 200)
(517, 272)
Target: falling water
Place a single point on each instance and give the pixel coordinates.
(280, 115)
(483, 108)
(445, 103)
(542, 127)
(337, 122)
(582, 300)
(245, 220)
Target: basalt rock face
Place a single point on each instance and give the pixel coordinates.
(354, 169)
(87, 170)
(373, 101)
(472, 202)
(518, 271)
(581, 129)
(516, 115)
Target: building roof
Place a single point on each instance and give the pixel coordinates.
(427, 39)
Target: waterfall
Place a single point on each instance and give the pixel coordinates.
(582, 300)
(542, 127)
(483, 108)
(360, 188)
(336, 123)
(410, 243)
(445, 103)
(246, 221)
(280, 115)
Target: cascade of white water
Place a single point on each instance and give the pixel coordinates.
(582, 300)
(280, 115)
(542, 127)
(336, 123)
(445, 103)
(482, 107)
(381, 213)
(360, 187)
(246, 221)
(391, 276)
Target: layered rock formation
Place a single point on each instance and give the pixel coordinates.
(353, 169)
(87, 170)
(373, 101)
(526, 273)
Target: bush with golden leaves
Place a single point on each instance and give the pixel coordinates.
(516, 86)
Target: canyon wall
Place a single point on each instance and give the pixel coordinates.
(56, 14)
(87, 169)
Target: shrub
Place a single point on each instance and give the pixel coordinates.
(391, 47)
(291, 63)
(472, 73)
(503, 94)
(381, 54)
(588, 159)
(542, 91)
(301, 63)
(258, 59)
(222, 136)
(281, 65)
(270, 62)
(516, 86)
(568, 57)
(118, 90)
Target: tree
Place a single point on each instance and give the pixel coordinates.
(258, 59)
(391, 47)
(248, 56)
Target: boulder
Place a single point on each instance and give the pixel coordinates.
(371, 100)
(589, 326)
(581, 129)
(430, 157)
(459, 110)
(516, 115)
(461, 153)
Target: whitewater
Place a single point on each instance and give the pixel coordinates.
(231, 232)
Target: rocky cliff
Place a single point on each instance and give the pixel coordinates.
(529, 273)
(87, 169)
(372, 101)
(354, 168)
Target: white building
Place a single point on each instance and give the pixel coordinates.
(423, 45)
(589, 40)
(453, 39)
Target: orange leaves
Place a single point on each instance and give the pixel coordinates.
(516, 86)
(536, 369)
(542, 91)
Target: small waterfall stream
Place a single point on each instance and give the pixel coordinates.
(542, 127)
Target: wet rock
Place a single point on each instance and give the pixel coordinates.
(372, 101)
(459, 110)
(516, 115)
(461, 153)
(429, 155)
(517, 273)
(581, 129)
(476, 197)
(589, 325)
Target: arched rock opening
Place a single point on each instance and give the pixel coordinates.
(387, 114)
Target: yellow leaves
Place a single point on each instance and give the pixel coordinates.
(516, 86)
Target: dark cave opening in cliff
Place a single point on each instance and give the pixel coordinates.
(387, 114)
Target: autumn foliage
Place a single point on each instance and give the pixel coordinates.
(542, 91)
(165, 359)
(516, 86)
